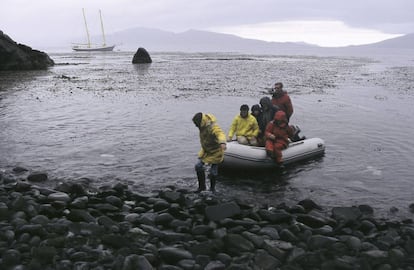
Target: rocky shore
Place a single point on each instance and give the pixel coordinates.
(70, 227)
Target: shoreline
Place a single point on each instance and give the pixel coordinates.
(69, 227)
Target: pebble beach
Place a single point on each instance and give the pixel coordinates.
(113, 227)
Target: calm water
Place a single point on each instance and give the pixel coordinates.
(97, 118)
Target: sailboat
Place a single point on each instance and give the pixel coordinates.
(89, 47)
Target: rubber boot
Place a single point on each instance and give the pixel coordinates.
(213, 183)
(201, 176)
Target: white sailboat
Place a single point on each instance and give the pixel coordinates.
(93, 47)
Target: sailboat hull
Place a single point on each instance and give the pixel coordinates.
(85, 48)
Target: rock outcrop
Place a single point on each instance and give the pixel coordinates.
(141, 57)
(15, 56)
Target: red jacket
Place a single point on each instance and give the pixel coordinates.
(282, 131)
(283, 102)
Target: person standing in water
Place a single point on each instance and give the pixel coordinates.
(213, 145)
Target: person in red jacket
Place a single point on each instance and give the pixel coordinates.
(277, 136)
(281, 99)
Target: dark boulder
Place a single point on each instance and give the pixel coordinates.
(15, 56)
(141, 57)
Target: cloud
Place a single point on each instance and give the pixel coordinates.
(37, 21)
(312, 32)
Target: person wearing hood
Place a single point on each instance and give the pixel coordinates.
(268, 112)
(257, 112)
(245, 127)
(277, 136)
(281, 99)
(213, 145)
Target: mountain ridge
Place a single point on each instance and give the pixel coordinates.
(205, 41)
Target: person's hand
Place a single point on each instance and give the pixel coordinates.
(272, 137)
(223, 146)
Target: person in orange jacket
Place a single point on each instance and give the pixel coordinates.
(277, 136)
(281, 99)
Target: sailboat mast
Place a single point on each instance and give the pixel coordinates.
(86, 27)
(102, 27)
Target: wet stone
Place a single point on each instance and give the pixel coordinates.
(4, 210)
(44, 254)
(366, 209)
(353, 243)
(265, 261)
(215, 265)
(320, 241)
(37, 177)
(80, 202)
(222, 211)
(163, 219)
(309, 205)
(173, 255)
(59, 196)
(19, 170)
(22, 186)
(201, 230)
(172, 196)
(77, 215)
(346, 214)
(132, 218)
(236, 244)
(160, 205)
(276, 216)
(133, 262)
(271, 232)
(310, 220)
(11, 257)
(257, 240)
(114, 200)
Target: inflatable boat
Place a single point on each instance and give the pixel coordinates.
(238, 156)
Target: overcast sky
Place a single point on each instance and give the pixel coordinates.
(320, 22)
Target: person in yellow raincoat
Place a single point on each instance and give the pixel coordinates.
(245, 127)
(213, 144)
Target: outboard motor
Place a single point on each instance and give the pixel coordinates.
(296, 137)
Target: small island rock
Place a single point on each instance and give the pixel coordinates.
(141, 57)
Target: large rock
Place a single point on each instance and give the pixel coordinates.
(221, 211)
(141, 57)
(15, 56)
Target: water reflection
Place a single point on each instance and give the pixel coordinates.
(142, 69)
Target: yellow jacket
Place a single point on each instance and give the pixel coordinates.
(244, 126)
(211, 136)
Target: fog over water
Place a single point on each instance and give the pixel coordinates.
(98, 119)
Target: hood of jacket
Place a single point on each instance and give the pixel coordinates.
(207, 119)
(266, 102)
(280, 117)
(256, 107)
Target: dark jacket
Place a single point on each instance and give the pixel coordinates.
(267, 113)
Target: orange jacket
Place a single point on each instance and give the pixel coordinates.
(282, 131)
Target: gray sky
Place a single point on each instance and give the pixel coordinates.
(321, 22)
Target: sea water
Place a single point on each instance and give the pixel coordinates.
(98, 119)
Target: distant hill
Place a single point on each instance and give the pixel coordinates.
(403, 42)
(198, 41)
(156, 40)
